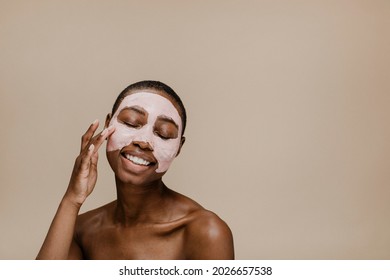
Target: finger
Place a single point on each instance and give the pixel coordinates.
(86, 159)
(86, 138)
(99, 139)
(93, 164)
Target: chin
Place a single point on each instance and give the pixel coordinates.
(136, 181)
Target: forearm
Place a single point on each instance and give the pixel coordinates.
(59, 237)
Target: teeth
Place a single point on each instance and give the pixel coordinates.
(137, 160)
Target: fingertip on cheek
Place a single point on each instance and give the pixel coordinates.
(104, 132)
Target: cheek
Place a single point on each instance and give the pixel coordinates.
(120, 138)
(165, 152)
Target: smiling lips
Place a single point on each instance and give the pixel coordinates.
(136, 160)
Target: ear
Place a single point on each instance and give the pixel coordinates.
(108, 119)
(183, 139)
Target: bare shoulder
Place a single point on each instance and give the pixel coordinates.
(208, 237)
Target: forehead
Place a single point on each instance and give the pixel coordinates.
(154, 102)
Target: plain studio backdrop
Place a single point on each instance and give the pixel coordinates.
(288, 114)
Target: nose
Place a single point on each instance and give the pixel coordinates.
(144, 138)
(143, 145)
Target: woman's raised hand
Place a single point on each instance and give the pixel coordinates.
(84, 173)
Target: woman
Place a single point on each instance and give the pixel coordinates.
(144, 133)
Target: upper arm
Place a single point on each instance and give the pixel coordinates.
(75, 252)
(209, 238)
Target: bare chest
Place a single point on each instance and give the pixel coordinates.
(139, 242)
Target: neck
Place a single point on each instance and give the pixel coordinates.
(140, 204)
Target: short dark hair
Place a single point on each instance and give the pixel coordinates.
(156, 85)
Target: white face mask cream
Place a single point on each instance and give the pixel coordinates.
(157, 108)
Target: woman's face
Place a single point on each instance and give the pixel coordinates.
(147, 134)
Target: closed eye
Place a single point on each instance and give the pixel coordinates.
(162, 136)
(132, 125)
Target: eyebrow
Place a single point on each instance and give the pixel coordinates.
(168, 119)
(137, 109)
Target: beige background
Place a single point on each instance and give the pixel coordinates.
(288, 102)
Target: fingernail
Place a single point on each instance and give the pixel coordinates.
(104, 132)
(95, 121)
(91, 147)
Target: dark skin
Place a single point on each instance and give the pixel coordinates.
(147, 221)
